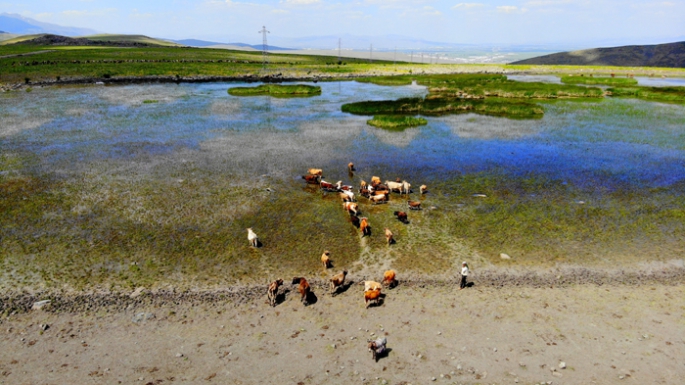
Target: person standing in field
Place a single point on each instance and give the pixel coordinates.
(464, 274)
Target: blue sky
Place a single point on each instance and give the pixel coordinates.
(513, 22)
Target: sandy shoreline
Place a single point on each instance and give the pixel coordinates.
(437, 334)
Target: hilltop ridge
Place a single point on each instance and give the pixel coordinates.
(671, 55)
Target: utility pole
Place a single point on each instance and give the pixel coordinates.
(371, 53)
(265, 47)
(411, 58)
(394, 58)
(339, 43)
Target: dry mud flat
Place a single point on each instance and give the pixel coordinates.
(585, 333)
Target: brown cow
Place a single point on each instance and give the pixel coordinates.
(365, 227)
(375, 180)
(355, 221)
(389, 278)
(272, 292)
(315, 171)
(423, 189)
(338, 280)
(401, 216)
(326, 259)
(350, 167)
(303, 288)
(414, 205)
(372, 296)
(311, 179)
(379, 198)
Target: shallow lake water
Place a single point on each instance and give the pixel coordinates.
(608, 144)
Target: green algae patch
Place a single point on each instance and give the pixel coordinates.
(605, 81)
(399, 123)
(656, 94)
(277, 90)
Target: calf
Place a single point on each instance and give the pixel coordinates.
(406, 187)
(338, 280)
(326, 259)
(414, 205)
(380, 198)
(355, 221)
(375, 180)
(272, 292)
(377, 347)
(364, 227)
(372, 296)
(252, 238)
(389, 278)
(351, 208)
(347, 196)
(401, 216)
(362, 185)
(350, 167)
(315, 171)
(303, 288)
(423, 189)
(388, 236)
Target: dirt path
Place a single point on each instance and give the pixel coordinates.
(27, 54)
(604, 335)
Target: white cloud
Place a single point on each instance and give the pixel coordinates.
(97, 12)
(509, 9)
(279, 11)
(301, 2)
(542, 3)
(468, 5)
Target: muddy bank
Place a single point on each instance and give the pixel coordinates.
(21, 302)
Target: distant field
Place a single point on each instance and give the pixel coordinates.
(84, 65)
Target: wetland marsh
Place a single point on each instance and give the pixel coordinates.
(101, 187)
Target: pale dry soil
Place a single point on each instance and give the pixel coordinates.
(606, 334)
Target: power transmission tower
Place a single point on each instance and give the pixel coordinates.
(339, 43)
(394, 58)
(371, 53)
(411, 58)
(265, 47)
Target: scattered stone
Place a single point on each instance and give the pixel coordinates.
(516, 380)
(137, 292)
(334, 346)
(459, 367)
(439, 333)
(40, 305)
(494, 349)
(557, 374)
(562, 365)
(44, 327)
(621, 377)
(433, 378)
(420, 356)
(479, 196)
(179, 355)
(140, 317)
(504, 256)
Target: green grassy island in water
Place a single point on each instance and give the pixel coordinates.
(276, 90)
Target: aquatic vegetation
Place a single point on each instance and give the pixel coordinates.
(592, 80)
(396, 122)
(444, 106)
(657, 94)
(276, 90)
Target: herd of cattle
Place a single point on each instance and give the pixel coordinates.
(377, 193)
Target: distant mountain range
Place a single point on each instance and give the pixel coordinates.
(20, 25)
(204, 43)
(660, 55)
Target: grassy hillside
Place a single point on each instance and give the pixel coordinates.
(133, 39)
(18, 39)
(660, 55)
